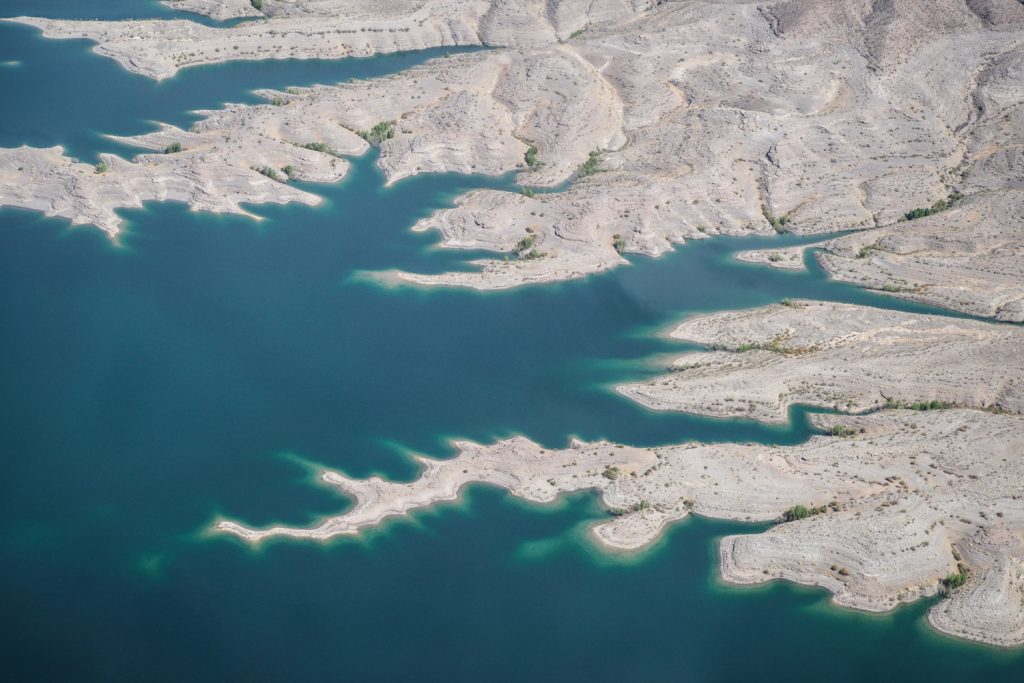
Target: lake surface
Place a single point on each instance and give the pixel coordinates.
(194, 370)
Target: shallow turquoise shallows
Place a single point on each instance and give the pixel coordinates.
(198, 368)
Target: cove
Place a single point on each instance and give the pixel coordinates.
(152, 386)
(77, 107)
(148, 387)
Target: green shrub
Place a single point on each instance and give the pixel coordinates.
(891, 288)
(955, 580)
(842, 431)
(938, 206)
(269, 172)
(796, 512)
(527, 192)
(803, 512)
(172, 148)
(531, 157)
(611, 473)
(928, 405)
(385, 130)
(590, 166)
(524, 248)
(775, 345)
(257, 4)
(778, 223)
(277, 101)
(618, 243)
(320, 147)
(101, 167)
(524, 245)
(289, 170)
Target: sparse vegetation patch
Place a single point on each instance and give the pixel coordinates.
(269, 172)
(842, 431)
(611, 473)
(590, 166)
(385, 130)
(531, 157)
(892, 404)
(938, 206)
(321, 147)
(779, 223)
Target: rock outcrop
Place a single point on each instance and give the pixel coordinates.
(882, 515)
(837, 356)
(635, 125)
(921, 496)
(968, 258)
(239, 154)
(218, 9)
(676, 120)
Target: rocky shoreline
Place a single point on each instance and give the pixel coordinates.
(880, 515)
(899, 123)
(879, 510)
(676, 121)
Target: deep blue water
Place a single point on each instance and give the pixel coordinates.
(147, 388)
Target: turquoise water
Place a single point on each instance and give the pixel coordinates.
(96, 96)
(148, 388)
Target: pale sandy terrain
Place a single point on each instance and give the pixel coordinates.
(969, 258)
(217, 9)
(669, 121)
(788, 258)
(78, 192)
(903, 496)
(705, 118)
(330, 29)
(217, 169)
(898, 497)
(837, 356)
